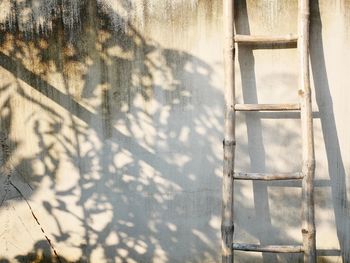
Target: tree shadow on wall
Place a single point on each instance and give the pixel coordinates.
(107, 125)
(41, 253)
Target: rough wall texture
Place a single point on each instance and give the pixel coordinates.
(111, 118)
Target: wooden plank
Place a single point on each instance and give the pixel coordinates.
(227, 227)
(269, 248)
(267, 107)
(262, 40)
(308, 210)
(268, 177)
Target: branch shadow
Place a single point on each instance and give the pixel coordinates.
(109, 120)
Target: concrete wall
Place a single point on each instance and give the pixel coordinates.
(111, 118)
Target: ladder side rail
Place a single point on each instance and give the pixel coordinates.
(308, 167)
(227, 225)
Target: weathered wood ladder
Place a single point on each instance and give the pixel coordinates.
(305, 107)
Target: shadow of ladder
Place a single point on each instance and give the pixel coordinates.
(308, 248)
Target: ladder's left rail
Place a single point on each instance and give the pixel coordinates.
(227, 226)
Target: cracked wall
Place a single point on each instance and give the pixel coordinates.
(111, 134)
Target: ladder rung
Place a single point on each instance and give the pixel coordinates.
(250, 39)
(267, 107)
(268, 177)
(271, 249)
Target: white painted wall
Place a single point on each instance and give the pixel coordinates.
(111, 129)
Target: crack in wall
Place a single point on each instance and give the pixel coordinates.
(37, 221)
(7, 170)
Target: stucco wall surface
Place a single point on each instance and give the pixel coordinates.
(111, 116)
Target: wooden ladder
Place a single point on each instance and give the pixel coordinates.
(305, 107)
